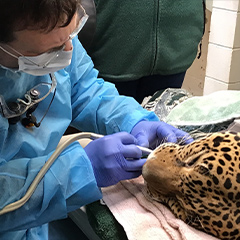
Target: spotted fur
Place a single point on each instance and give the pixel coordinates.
(199, 182)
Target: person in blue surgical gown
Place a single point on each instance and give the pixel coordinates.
(47, 83)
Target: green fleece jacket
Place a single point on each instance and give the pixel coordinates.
(136, 38)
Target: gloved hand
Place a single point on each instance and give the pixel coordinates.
(152, 134)
(114, 158)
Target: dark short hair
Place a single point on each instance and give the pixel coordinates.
(16, 15)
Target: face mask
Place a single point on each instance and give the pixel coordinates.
(44, 63)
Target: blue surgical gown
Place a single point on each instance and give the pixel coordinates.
(83, 101)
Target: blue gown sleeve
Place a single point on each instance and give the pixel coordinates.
(68, 184)
(96, 104)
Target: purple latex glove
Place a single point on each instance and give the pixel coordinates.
(114, 158)
(152, 134)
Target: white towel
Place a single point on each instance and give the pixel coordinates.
(143, 219)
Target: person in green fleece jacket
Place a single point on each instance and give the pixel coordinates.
(144, 46)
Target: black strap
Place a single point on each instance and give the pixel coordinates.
(87, 33)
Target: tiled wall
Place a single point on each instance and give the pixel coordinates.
(223, 58)
(219, 66)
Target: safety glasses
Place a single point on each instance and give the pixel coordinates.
(83, 19)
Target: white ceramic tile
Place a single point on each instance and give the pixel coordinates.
(213, 85)
(209, 5)
(219, 62)
(232, 5)
(223, 28)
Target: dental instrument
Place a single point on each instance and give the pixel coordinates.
(61, 146)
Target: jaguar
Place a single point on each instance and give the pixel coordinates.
(199, 182)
